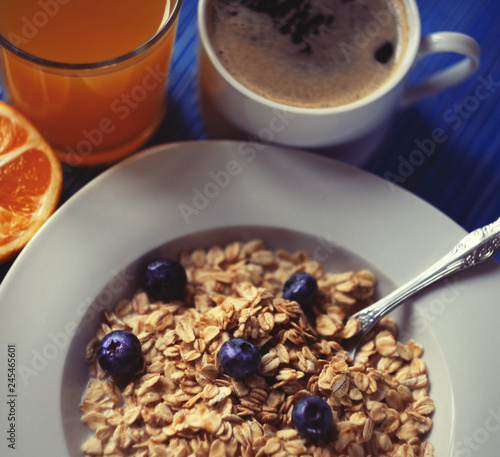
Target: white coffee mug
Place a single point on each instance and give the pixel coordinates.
(231, 110)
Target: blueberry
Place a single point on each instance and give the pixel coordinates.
(301, 287)
(312, 417)
(239, 358)
(119, 353)
(164, 279)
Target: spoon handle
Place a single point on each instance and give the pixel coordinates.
(472, 250)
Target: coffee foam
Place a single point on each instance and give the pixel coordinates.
(330, 64)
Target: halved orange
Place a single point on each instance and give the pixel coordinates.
(30, 181)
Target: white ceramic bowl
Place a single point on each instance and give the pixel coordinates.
(191, 195)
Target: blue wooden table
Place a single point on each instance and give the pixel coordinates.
(461, 176)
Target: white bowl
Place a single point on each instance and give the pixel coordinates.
(196, 194)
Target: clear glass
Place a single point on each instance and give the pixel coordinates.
(93, 113)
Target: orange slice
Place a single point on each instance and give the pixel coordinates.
(30, 181)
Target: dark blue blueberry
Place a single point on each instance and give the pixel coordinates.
(312, 417)
(119, 353)
(302, 288)
(164, 279)
(239, 358)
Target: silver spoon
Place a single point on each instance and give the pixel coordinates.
(472, 250)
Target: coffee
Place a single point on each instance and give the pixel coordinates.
(309, 53)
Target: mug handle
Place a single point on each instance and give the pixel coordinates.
(451, 76)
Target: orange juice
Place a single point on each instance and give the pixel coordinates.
(90, 74)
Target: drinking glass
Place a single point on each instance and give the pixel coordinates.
(92, 113)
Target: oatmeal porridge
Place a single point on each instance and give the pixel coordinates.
(182, 402)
